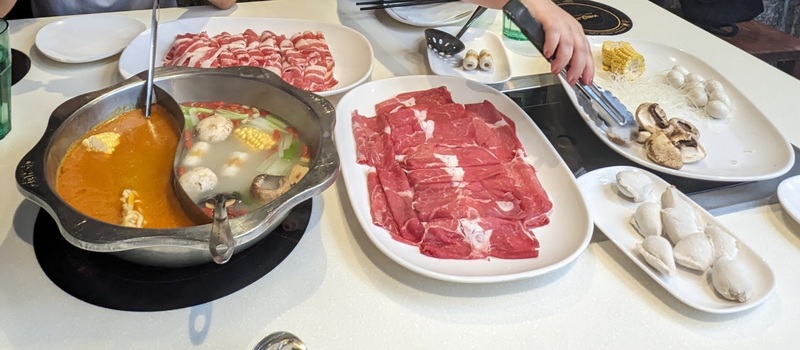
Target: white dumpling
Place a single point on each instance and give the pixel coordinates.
(647, 219)
(657, 251)
(671, 198)
(695, 252)
(679, 223)
(725, 246)
(731, 280)
(634, 185)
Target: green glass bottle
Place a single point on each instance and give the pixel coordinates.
(511, 31)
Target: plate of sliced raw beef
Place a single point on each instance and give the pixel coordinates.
(323, 58)
(451, 179)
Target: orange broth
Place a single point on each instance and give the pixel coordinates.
(92, 182)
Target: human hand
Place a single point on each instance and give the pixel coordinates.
(564, 38)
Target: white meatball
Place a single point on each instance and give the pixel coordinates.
(692, 77)
(720, 96)
(717, 109)
(214, 129)
(697, 97)
(714, 85)
(675, 79)
(680, 69)
(198, 180)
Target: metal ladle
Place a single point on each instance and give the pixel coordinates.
(445, 44)
(148, 99)
(221, 242)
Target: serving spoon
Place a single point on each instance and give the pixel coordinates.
(148, 99)
(221, 242)
(445, 44)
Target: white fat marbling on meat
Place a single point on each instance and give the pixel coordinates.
(450, 161)
(456, 173)
(500, 123)
(407, 193)
(387, 130)
(400, 157)
(428, 126)
(409, 102)
(505, 206)
(477, 236)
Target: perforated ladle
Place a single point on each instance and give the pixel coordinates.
(445, 44)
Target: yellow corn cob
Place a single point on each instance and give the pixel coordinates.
(104, 142)
(255, 138)
(619, 57)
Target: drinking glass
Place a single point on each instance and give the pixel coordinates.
(5, 80)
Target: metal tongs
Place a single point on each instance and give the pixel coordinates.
(608, 113)
(148, 99)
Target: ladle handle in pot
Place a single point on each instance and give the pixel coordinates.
(221, 242)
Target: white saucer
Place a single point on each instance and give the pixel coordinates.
(87, 38)
(433, 14)
(789, 196)
(475, 39)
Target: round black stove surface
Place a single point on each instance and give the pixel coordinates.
(104, 280)
(597, 18)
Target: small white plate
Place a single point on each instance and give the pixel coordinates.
(612, 213)
(745, 147)
(475, 39)
(351, 51)
(789, 196)
(562, 240)
(87, 38)
(431, 15)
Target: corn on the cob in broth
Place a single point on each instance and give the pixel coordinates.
(620, 58)
(254, 138)
(104, 142)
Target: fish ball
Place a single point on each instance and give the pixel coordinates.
(680, 69)
(718, 109)
(698, 97)
(714, 85)
(213, 129)
(692, 77)
(198, 180)
(675, 79)
(720, 96)
(196, 153)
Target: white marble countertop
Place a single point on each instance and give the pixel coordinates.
(337, 291)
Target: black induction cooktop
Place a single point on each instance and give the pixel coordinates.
(107, 281)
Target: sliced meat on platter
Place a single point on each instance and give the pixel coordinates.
(449, 178)
(302, 59)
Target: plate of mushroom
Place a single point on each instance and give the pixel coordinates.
(676, 242)
(693, 122)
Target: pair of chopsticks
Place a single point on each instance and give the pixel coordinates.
(385, 4)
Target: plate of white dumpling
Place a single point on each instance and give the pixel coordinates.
(483, 60)
(676, 242)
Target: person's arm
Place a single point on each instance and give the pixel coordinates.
(222, 4)
(6, 6)
(563, 35)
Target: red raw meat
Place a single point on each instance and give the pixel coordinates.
(450, 178)
(304, 60)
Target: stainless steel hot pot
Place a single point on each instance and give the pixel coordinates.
(311, 115)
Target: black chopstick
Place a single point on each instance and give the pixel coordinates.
(398, 3)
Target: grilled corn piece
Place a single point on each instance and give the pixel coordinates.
(619, 57)
(104, 142)
(254, 138)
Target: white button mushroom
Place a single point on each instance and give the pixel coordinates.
(675, 79)
(720, 96)
(717, 109)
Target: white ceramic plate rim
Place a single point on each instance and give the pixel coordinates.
(476, 39)
(770, 161)
(553, 173)
(618, 229)
(47, 38)
(789, 196)
(393, 12)
(352, 52)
